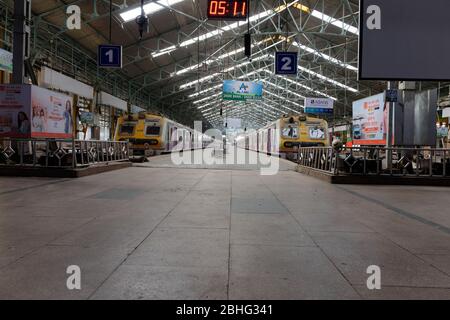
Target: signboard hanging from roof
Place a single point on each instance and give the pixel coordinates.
(404, 40)
(319, 105)
(242, 90)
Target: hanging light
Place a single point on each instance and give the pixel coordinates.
(142, 21)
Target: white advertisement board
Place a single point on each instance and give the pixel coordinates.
(32, 112)
(52, 114)
(319, 105)
(369, 121)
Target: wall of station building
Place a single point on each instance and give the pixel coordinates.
(103, 109)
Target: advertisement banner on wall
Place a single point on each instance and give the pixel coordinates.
(87, 118)
(370, 120)
(51, 114)
(29, 111)
(242, 90)
(319, 105)
(15, 111)
(6, 60)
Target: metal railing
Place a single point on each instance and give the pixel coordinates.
(393, 161)
(60, 153)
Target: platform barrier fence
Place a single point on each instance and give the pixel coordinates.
(393, 161)
(60, 153)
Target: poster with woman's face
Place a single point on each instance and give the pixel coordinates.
(52, 114)
(15, 111)
(30, 111)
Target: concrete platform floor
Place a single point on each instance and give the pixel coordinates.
(165, 232)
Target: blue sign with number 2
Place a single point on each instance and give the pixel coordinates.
(286, 63)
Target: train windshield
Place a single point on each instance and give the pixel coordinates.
(290, 131)
(126, 129)
(152, 131)
(317, 132)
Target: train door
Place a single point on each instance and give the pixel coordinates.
(182, 139)
(173, 138)
(261, 140)
(269, 140)
(170, 138)
(257, 141)
(186, 139)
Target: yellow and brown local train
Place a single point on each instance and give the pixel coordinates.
(151, 132)
(284, 136)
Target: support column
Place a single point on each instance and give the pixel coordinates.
(21, 40)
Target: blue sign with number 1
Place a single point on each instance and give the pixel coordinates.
(109, 56)
(286, 63)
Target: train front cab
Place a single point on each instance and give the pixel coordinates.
(143, 132)
(302, 131)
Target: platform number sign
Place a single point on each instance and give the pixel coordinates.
(110, 56)
(286, 63)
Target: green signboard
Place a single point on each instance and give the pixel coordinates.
(241, 90)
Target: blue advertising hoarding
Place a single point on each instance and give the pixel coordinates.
(109, 56)
(242, 90)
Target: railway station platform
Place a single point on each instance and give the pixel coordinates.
(160, 231)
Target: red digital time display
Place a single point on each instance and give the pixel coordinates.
(228, 10)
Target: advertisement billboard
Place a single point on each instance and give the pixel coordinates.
(6, 60)
(15, 120)
(319, 105)
(87, 118)
(242, 90)
(52, 114)
(370, 120)
(32, 112)
(403, 40)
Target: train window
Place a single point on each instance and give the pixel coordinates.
(126, 129)
(290, 131)
(316, 132)
(152, 131)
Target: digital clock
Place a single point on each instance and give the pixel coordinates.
(228, 9)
